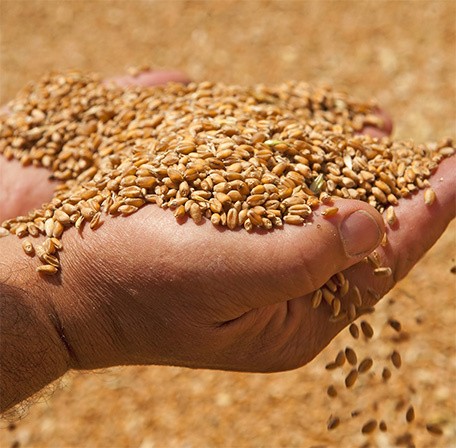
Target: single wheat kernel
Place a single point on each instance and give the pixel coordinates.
(396, 359)
(316, 298)
(367, 330)
(47, 269)
(354, 330)
(333, 422)
(350, 354)
(28, 248)
(383, 272)
(390, 215)
(369, 426)
(336, 306)
(49, 246)
(331, 366)
(293, 219)
(429, 196)
(331, 391)
(410, 414)
(3, 232)
(329, 211)
(327, 295)
(351, 378)
(434, 429)
(365, 365)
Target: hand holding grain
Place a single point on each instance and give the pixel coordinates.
(149, 290)
(146, 290)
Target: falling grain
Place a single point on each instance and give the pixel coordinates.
(369, 426)
(331, 391)
(351, 378)
(354, 330)
(396, 359)
(434, 429)
(365, 365)
(410, 414)
(367, 330)
(351, 356)
(333, 423)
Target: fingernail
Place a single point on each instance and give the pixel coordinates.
(360, 233)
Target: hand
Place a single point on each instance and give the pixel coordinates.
(146, 290)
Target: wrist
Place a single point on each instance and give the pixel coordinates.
(32, 352)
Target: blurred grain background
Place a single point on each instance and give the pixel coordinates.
(403, 53)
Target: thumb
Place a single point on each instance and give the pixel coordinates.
(262, 268)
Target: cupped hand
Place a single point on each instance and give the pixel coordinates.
(147, 290)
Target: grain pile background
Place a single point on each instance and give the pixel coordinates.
(402, 53)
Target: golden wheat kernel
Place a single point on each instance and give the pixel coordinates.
(354, 330)
(330, 211)
(396, 359)
(336, 307)
(58, 230)
(127, 209)
(344, 288)
(49, 227)
(195, 213)
(434, 429)
(95, 222)
(390, 215)
(331, 285)
(369, 426)
(327, 295)
(429, 196)
(367, 329)
(293, 219)
(28, 248)
(232, 219)
(47, 269)
(350, 354)
(3, 232)
(316, 298)
(49, 246)
(333, 422)
(351, 378)
(331, 391)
